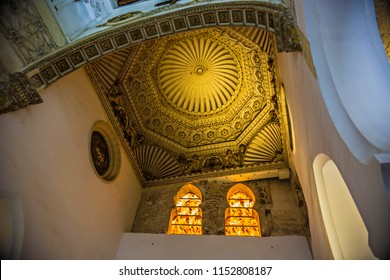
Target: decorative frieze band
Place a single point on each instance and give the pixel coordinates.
(274, 18)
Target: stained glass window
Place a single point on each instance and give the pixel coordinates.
(186, 217)
(240, 218)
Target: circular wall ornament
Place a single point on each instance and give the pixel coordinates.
(104, 151)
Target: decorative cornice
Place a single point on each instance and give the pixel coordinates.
(166, 21)
(215, 174)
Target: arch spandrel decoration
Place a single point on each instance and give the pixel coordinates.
(240, 218)
(186, 216)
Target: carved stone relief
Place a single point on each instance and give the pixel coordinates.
(99, 153)
(286, 218)
(213, 206)
(25, 30)
(272, 196)
(104, 151)
(16, 92)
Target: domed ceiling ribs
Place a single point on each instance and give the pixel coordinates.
(189, 129)
(109, 67)
(155, 163)
(260, 38)
(199, 75)
(267, 146)
(194, 104)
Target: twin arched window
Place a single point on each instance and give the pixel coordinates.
(186, 217)
(240, 218)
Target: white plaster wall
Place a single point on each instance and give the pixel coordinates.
(357, 63)
(211, 247)
(69, 212)
(315, 132)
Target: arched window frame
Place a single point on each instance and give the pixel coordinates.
(345, 229)
(186, 216)
(241, 219)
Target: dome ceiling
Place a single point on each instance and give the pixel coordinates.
(195, 103)
(199, 74)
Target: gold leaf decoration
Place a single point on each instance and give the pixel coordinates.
(199, 75)
(156, 163)
(266, 146)
(107, 69)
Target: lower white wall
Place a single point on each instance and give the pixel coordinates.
(142, 246)
(69, 213)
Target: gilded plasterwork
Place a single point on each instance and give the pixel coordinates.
(199, 75)
(165, 21)
(195, 103)
(176, 108)
(32, 42)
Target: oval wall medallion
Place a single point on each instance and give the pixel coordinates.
(104, 151)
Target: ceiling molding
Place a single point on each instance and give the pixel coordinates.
(274, 18)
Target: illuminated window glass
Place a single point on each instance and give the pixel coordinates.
(240, 218)
(186, 217)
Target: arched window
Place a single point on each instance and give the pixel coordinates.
(286, 113)
(186, 217)
(240, 218)
(346, 232)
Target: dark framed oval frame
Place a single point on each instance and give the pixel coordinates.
(104, 151)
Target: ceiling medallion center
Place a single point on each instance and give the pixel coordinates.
(199, 75)
(200, 70)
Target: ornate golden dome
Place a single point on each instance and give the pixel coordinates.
(199, 75)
